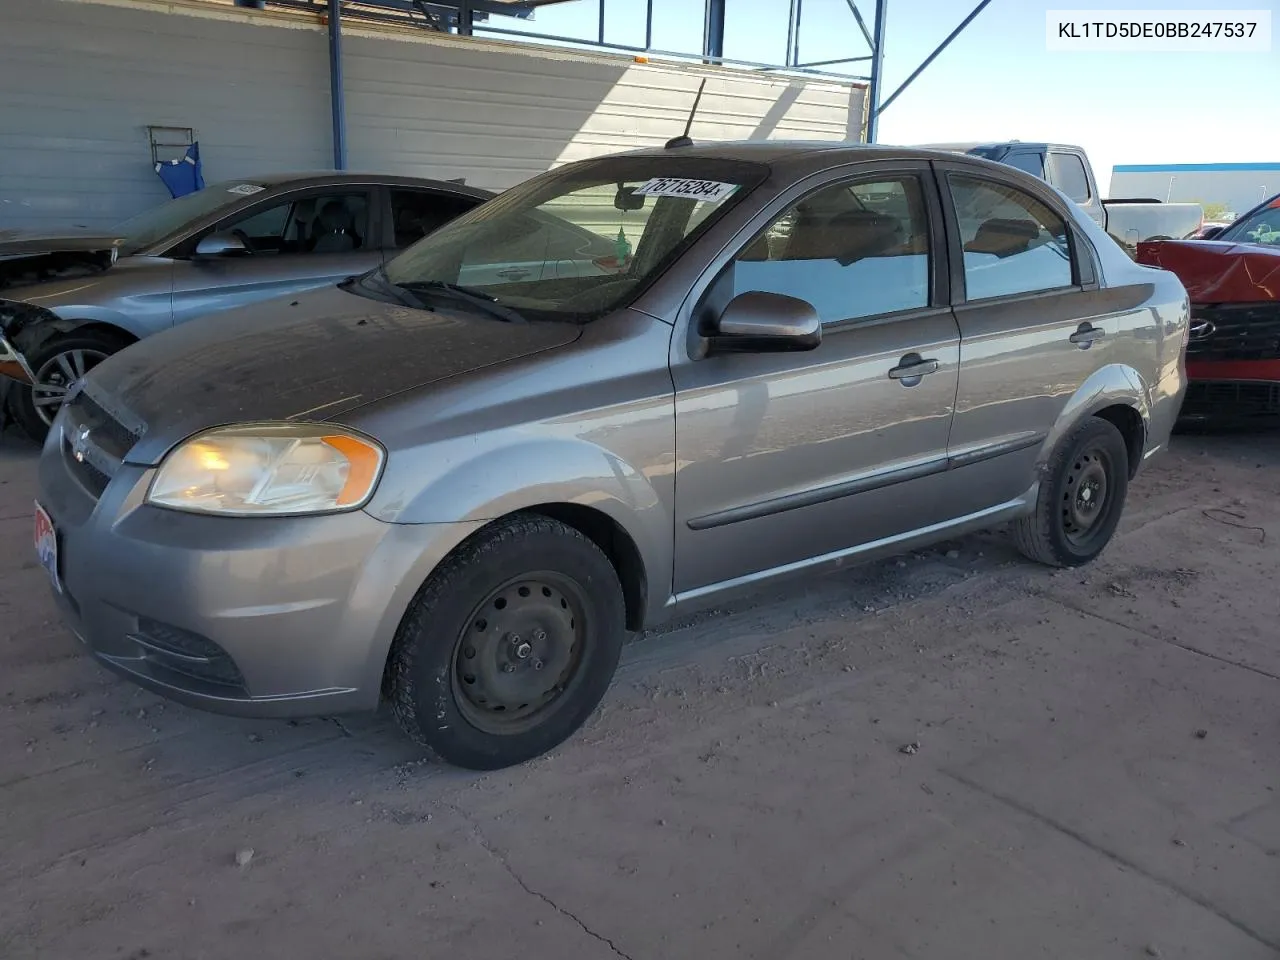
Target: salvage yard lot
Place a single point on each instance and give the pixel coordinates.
(951, 754)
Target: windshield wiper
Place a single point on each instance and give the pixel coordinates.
(377, 280)
(475, 298)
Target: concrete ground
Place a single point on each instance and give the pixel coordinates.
(952, 755)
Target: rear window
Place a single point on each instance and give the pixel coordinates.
(1067, 173)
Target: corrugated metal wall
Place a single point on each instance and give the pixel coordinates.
(1238, 190)
(82, 79)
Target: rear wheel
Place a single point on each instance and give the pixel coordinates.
(57, 364)
(1081, 497)
(509, 646)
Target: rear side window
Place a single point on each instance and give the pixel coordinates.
(415, 213)
(1012, 242)
(1066, 172)
(1032, 163)
(851, 250)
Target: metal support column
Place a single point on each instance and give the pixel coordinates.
(335, 86)
(466, 18)
(877, 69)
(932, 57)
(713, 31)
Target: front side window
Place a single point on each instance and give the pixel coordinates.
(580, 241)
(1067, 173)
(172, 216)
(1261, 226)
(852, 250)
(1012, 242)
(331, 223)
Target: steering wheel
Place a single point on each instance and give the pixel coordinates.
(244, 238)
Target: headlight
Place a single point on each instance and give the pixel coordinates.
(269, 470)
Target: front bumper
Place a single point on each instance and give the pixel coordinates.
(266, 617)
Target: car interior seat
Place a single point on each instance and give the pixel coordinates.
(845, 237)
(334, 229)
(1004, 238)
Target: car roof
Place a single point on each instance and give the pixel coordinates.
(798, 157)
(321, 177)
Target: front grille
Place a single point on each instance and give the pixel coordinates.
(87, 475)
(109, 434)
(1235, 331)
(94, 443)
(1227, 401)
(190, 654)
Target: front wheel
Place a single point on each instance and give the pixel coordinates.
(509, 646)
(1081, 497)
(57, 364)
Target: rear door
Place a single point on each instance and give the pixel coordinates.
(1033, 328)
(300, 241)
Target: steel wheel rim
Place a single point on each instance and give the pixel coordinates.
(520, 652)
(55, 377)
(1085, 498)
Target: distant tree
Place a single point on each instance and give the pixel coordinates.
(1213, 211)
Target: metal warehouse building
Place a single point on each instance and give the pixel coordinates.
(1238, 186)
(97, 90)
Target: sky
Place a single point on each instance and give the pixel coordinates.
(997, 81)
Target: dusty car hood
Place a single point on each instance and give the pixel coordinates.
(1216, 272)
(28, 257)
(312, 357)
(29, 243)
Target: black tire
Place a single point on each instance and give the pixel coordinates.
(527, 577)
(1089, 466)
(93, 343)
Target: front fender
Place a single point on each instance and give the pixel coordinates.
(1113, 385)
(449, 483)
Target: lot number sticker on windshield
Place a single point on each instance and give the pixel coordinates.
(711, 191)
(245, 189)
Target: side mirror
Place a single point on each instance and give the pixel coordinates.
(221, 245)
(1208, 233)
(759, 322)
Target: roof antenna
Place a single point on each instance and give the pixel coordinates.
(683, 140)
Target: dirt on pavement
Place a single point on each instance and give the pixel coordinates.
(953, 754)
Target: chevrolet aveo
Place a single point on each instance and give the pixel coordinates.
(458, 488)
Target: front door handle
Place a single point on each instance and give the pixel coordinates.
(911, 368)
(1085, 335)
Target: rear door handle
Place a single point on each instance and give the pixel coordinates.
(911, 368)
(1085, 335)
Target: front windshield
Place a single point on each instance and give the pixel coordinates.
(580, 241)
(1261, 226)
(157, 223)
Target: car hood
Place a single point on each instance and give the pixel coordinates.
(28, 257)
(29, 243)
(313, 357)
(1217, 272)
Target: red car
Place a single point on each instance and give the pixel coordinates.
(1233, 279)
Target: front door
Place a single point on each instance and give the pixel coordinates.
(304, 242)
(1033, 329)
(784, 458)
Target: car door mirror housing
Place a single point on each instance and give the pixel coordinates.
(221, 245)
(1208, 233)
(760, 322)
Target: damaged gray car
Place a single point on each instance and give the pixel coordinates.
(228, 245)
